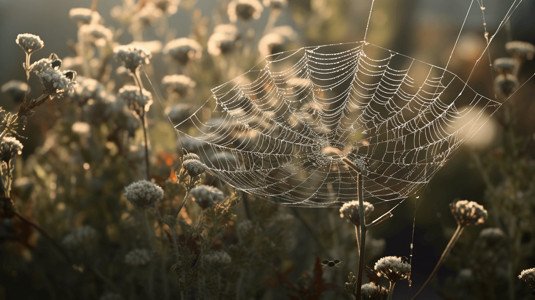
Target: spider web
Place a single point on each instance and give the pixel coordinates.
(289, 129)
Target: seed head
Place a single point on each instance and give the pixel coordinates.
(193, 165)
(87, 89)
(82, 15)
(178, 84)
(244, 10)
(132, 57)
(468, 213)
(206, 196)
(505, 85)
(30, 43)
(505, 65)
(221, 44)
(372, 291)
(55, 82)
(520, 50)
(96, 34)
(131, 96)
(183, 50)
(137, 257)
(143, 194)
(492, 235)
(393, 268)
(80, 237)
(528, 276)
(16, 90)
(350, 211)
(9, 148)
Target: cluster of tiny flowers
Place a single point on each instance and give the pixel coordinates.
(206, 196)
(55, 82)
(9, 148)
(16, 90)
(131, 96)
(521, 50)
(244, 10)
(87, 89)
(143, 194)
(80, 237)
(223, 40)
(193, 165)
(468, 213)
(350, 211)
(393, 268)
(29, 42)
(528, 276)
(148, 15)
(179, 84)
(183, 50)
(276, 41)
(372, 291)
(505, 65)
(96, 34)
(82, 15)
(137, 257)
(132, 57)
(217, 258)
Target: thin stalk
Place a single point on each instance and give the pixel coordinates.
(362, 243)
(446, 252)
(144, 125)
(391, 290)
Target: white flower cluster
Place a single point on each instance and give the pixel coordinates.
(96, 34)
(16, 90)
(350, 211)
(80, 237)
(393, 268)
(179, 84)
(193, 165)
(244, 10)
(206, 196)
(183, 50)
(143, 194)
(9, 148)
(520, 50)
(137, 257)
(528, 276)
(29, 42)
(82, 15)
(372, 291)
(55, 82)
(276, 41)
(131, 96)
(132, 56)
(87, 89)
(223, 40)
(468, 213)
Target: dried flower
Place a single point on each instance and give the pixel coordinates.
(505, 85)
(178, 84)
(528, 276)
(220, 43)
(520, 50)
(505, 65)
(219, 257)
(193, 165)
(80, 237)
(350, 211)
(137, 257)
(492, 235)
(276, 40)
(206, 196)
(82, 15)
(468, 213)
(132, 57)
(16, 90)
(179, 113)
(29, 42)
(9, 148)
(371, 290)
(143, 194)
(244, 10)
(393, 268)
(147, 15)
(87, 89)
(130, 94)
(96, 34)
(45, 63)
(183, 50)
(55, 82)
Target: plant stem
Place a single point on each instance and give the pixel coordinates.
(446, 252)
(362, 243)
(144, 125)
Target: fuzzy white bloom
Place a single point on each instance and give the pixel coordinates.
(350, 211)
(82, 15)
(505, 65)
(143, 194)
(29, 42)
(87, 89)
(131, 96)
(179, 84)
(219, 257)
(193, 165)
(393, 268)
(81, 128)
(9, 148)
(468, 213)
(138, 257)
(152, 47)
(206, 196)
(80, 237)
(277, 40)
(41, 65)
(521, 50)
(56, 82)
(16, 90)
(244, 10)
(183, 50)
(372, 291)
(223, 40)
(131, 56)
(528, 276)
(96, 34)
(492, 235)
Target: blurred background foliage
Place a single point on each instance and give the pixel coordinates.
(71, 177)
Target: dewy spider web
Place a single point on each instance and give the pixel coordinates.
(284, 131)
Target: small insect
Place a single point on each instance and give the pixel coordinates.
(331, 263)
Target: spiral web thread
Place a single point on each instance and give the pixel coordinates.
(288, 130)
